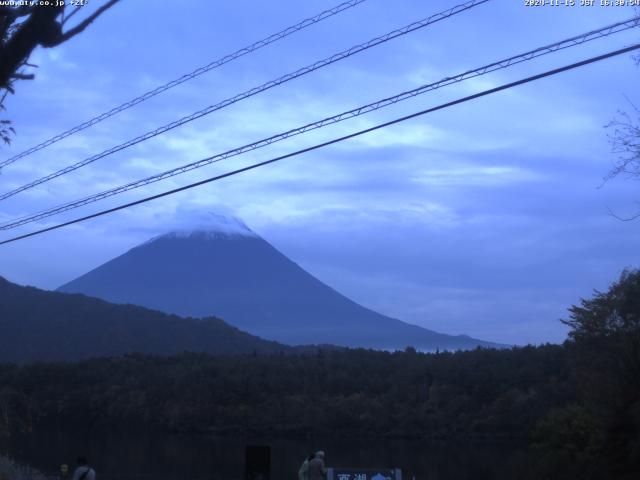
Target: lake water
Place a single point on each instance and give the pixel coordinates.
(135, 456)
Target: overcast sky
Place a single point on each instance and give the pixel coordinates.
(487, 218)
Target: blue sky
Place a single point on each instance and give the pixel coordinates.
(486, 218)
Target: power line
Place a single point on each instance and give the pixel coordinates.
(331, 142)
(502, 64)
(254, 91)
(188, 76)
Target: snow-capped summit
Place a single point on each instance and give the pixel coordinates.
(215, 224)
(209, 224)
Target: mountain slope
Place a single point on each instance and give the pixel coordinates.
(40, 325)
(230, 272)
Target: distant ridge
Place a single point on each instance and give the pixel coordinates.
(37, 325)
(223, 268)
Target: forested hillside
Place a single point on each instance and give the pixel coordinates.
(40, 325)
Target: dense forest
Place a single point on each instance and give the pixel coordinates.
(578, 404)
(355, 391)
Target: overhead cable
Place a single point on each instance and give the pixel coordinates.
(254, 91)
(502, 64)
(186, 77)
(330, 142)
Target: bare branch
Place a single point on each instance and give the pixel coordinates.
(82, 25)
(625, 141)
(67, 17)
(23, 76)
(42, 26)
(623, 219)
(16, 12)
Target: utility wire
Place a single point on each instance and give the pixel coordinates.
(189, 76)
(502, 64)
(249, 93)
(333, 141)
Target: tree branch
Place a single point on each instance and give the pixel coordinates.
(623, 219)
(16, 12)
(82, 25)
(23, 76)
(67, 17)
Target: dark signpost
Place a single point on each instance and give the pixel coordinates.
(257, 462)
(364, 474)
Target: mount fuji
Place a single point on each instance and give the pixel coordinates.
(224, 269)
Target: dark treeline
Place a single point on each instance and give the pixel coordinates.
(578, 404)
(482, 392)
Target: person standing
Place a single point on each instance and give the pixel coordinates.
(64, 472)
(303, 473)
(84, 471)
(317, 469)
